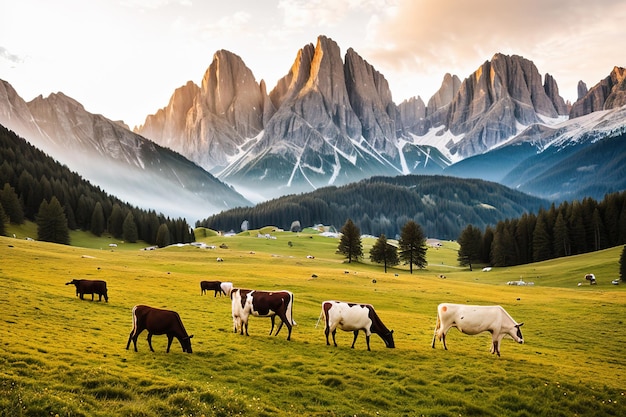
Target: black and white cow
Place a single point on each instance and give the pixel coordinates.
(352, 317)
(90, 286)
(472, 320)
(157, 321)
(262, 304)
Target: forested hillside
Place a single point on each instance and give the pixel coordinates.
(443, 206)
(571, 228)
(29, 177)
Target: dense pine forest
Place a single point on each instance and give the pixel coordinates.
(571, 228)
(32, 185)
(442, 206)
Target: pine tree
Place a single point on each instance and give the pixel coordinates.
(3, 221)
(383, 252)
(542, 246)
(470, 246)
(163, 236)
(116, 222)
(51, 223)
(130, 228)
(97, 220)
(412, 245)
(562, 246)
(11, 204)
(350, 243)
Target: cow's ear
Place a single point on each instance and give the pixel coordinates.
(521, 324)
(190, 336)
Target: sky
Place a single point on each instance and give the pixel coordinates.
(125, 58)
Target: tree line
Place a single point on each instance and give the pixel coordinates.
(571, 228)
(443, 206)
(35, 187)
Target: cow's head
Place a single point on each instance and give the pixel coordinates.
(74, 282)
(388, 339)
(518, 336)
(186, 344)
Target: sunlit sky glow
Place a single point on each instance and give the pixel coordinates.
(124, 58)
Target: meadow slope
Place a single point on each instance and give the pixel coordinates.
(63, 356)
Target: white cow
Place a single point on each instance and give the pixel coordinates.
(238, 299)
(352, 317)
(227, 287)
(472, 320)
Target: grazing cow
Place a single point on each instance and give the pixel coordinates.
(211, 286)
(158, 322)
(89, 286)
(352, 317)
(237, 300)
(472, 320)
(226, 287)
(263, 304)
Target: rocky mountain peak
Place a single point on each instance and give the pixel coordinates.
(491, 102)
(608, 94)
(229, 90)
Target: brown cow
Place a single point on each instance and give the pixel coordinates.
(88, 286)
(211, 285)
(158, 322)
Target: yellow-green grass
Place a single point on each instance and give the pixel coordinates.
(60, 355)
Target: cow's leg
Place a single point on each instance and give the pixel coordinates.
(356, 333)
(280, 326)
(170, 338)
(272, 319)
(334, 333)
(134, 334)
(327, 332)
(82, 296)
(130, 337)
(283, 320)
(367, 341)
(150, 341)
(289, 326)
(443, 340)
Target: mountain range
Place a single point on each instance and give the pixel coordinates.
(331, 120)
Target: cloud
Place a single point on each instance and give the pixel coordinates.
(326, 13)
(438, 36)
(16, 59)
(234, 24)
(154, 4)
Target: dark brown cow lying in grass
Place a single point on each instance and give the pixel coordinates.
(158, 322)
(88, 286)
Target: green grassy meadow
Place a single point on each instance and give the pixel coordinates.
(60, 356)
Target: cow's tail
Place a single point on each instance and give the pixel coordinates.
(319, 319)
(134, 329)
(290, 310)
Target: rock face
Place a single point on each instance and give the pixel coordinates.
(609, 93)
(109, 155)
(491, 102)
(332, 120)
(552, 91)
(208, 124)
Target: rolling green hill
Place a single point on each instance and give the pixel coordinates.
(63, 356)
